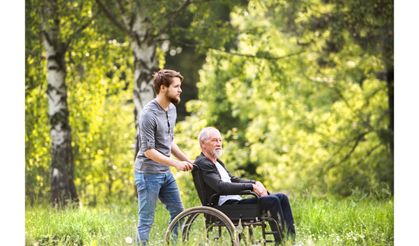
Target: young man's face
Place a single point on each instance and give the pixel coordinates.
(213, 144)
(174, 90)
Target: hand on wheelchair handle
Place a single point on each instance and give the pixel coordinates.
(184, 166)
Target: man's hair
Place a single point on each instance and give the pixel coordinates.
(164, 77)
(203, 135)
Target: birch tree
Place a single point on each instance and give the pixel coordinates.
(151, 27)
(56, 45)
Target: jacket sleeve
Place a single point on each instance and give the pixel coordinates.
(240, 180)
(213, 180)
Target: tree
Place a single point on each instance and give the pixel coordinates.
(56, 41)
(97, 75)
(149, 25)
(291, 117)
(370, 24)
(132, 20)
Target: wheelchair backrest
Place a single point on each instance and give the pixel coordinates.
(199, 185)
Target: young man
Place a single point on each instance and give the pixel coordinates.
(218, 180)
(153, 177)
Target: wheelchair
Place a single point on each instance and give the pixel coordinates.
(231, 224)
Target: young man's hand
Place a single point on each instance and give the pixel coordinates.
(184, 166)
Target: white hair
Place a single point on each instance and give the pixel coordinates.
(203, 135)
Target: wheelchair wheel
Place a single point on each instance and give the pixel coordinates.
(201, 226)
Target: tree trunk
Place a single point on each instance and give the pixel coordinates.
(145, 64)
(138, 27)
(62, 167)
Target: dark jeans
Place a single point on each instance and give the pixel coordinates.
(278, 205)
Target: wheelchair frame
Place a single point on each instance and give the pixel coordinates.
(234, 217)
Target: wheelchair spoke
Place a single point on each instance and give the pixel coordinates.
(201, 226)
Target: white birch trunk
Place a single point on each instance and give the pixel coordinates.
(145, 64)
(62, 167)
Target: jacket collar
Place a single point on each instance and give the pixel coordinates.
(218, 160)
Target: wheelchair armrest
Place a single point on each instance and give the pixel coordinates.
(244, 192)
(248, 192)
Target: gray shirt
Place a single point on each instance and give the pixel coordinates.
(156, 128)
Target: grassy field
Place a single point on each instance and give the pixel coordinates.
(318, 221)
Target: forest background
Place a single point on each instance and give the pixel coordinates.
(303, 96)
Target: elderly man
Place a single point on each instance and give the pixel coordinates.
(218, 180)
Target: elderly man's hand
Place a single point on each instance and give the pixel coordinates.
(261, 188)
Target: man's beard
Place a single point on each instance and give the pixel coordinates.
(172, 99)
(218, 153)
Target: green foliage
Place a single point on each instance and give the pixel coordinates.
(37, 138)
(99, 70)
(99, 96)
(301, 101)
(291, 121)
(102, 118)
(368, 23)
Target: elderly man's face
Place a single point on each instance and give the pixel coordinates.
(213, 144)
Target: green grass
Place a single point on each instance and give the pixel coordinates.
(344, 222)
(83, 226)
(319, 222)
